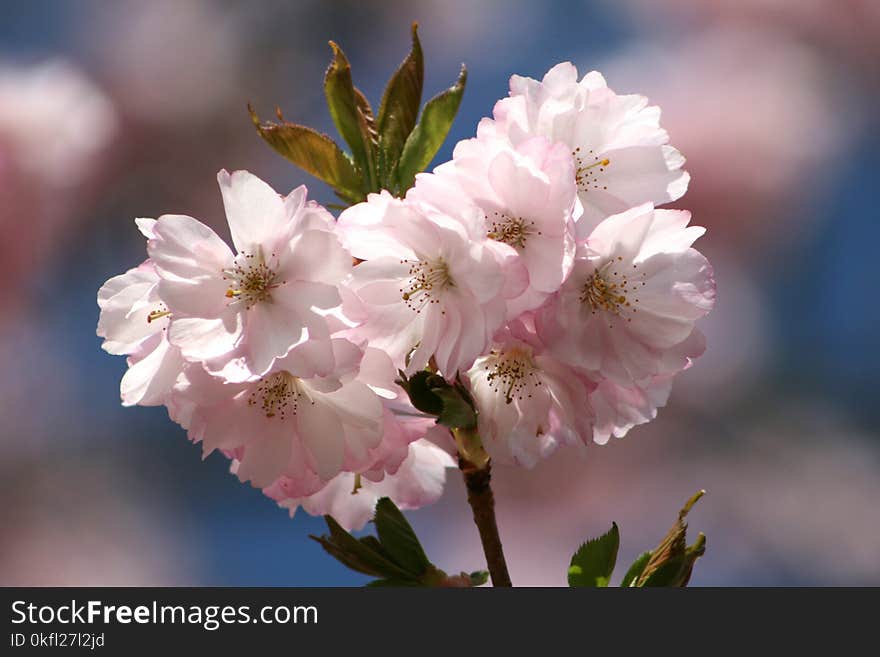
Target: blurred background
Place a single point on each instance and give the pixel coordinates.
(111, 111)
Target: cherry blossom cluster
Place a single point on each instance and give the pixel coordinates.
(533, 267)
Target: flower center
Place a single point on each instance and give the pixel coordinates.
(587, 170)
(251, 279)
(611, 289)
(427, 280)
(511, 230)
(513, 374)
(277, 395)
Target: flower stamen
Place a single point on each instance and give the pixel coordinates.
(278, 395)
(513, 231)
(251, 279)
(587, 175)
(611, 290)
(428, 279)
(159, 313)
(514, 374)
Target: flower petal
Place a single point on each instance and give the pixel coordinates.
(254, 210)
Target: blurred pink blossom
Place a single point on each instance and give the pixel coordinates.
(759, 119)
(55, 125)
(850, 28)
(90, 522)
(169, 61)
(54, 122)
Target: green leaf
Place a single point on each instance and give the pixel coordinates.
(479, 577)
(351, 114)
(357, 555)
(372, 542)
(363, 106)
(420, 393)
(594, 561)
(400, 104)
(635, 569)
(315, 153)
(398, 539)
(462, 389)
(396, 557)
(457, 412)
(428, 136)
(367, 126)
(431, 393)
(344, 557)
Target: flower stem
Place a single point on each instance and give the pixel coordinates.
(477, 480)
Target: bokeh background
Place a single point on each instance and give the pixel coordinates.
(111, 111)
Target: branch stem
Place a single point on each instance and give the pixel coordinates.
(482, 501)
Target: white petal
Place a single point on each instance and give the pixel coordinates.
(254, 210)
(366, 229)
(310, 358)
(265, 459)
(125, 303)
(205, 339)
(637, 174)
(270, 331)
(377, 371)
(522, 188)
(315, 255)
(548, 260)
(301, 297)
(433, 325)
(190, 259)
(146, 227)
(321, 432)
(149, 381)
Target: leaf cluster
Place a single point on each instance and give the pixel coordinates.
(388, 148)
(394, 556)
(669, 564)
(430, 393)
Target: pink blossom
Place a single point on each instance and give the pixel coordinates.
(619, 409)
(627, 311)
(426, 288)
(133, 322)
(528, 401)
(620, 151)
(238, 313)
(398, 431)
(351, 499)
(311, 416)
(525, 201)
